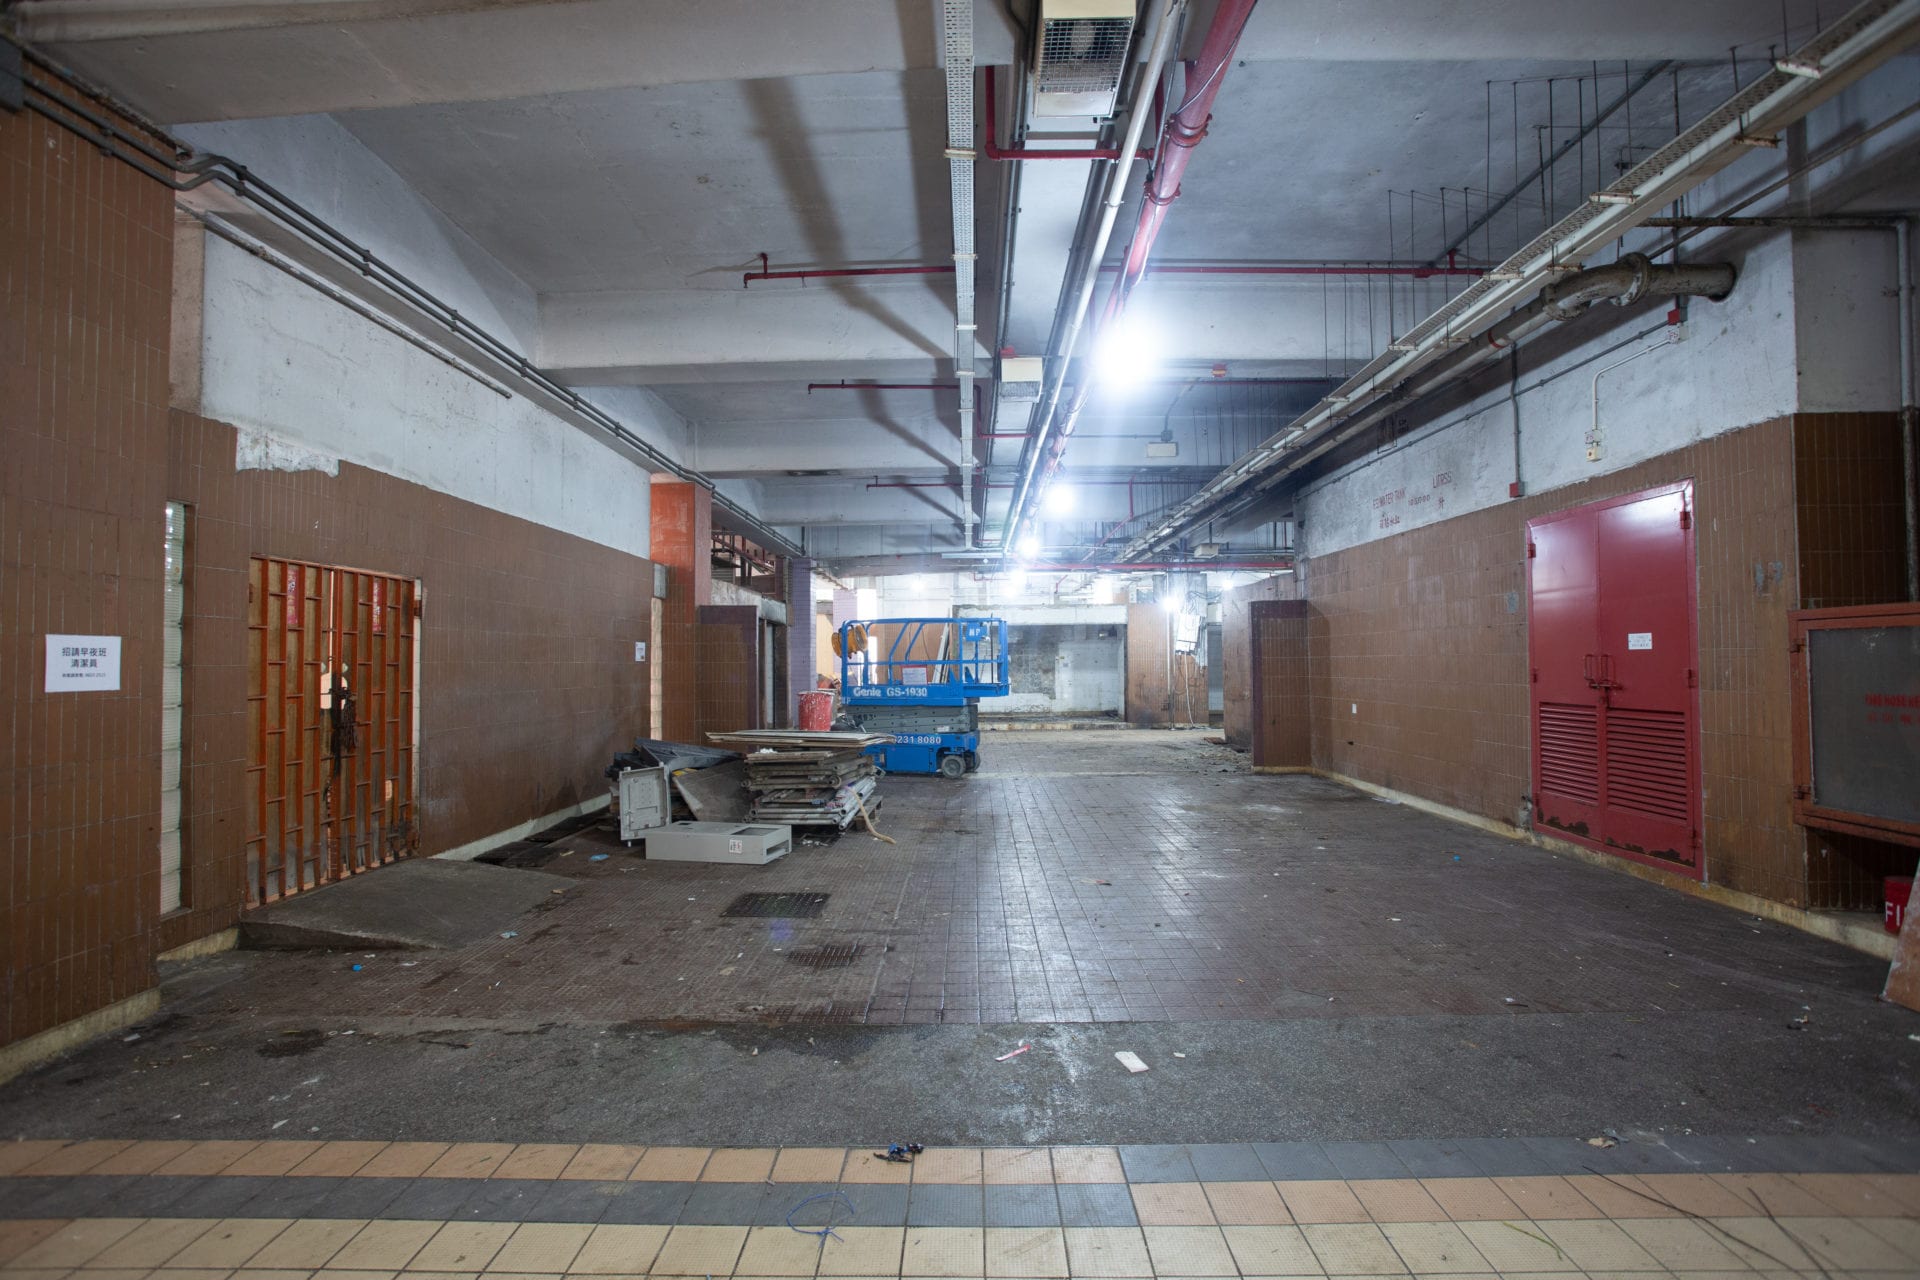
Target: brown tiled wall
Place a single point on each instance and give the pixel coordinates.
(1418, 651)
(85, 277)
(527, 679)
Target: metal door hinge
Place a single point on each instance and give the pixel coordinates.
(1532, 550)
(1536, 675)
(1693, 678)
(1686, 518)
(1797, 646)
(418, 608)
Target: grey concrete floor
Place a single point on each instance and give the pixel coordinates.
(1675, 1017)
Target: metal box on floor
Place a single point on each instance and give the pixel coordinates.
(645, 802)
(752, 843)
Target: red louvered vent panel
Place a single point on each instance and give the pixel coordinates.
(1647, 763)
(1569, 752)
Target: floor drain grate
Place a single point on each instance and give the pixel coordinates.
(835, 957)
(780, 906)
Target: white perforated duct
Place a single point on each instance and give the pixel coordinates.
(957, 29)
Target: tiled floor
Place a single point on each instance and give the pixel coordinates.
(203, 1211)
(1083, 877)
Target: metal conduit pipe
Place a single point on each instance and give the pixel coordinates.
(1181, 135)
(166, 163)
(1632, 278)
(1080, 291)
(1909, 402)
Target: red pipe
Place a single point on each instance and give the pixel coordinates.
(822, 273)
(991, 148)
(1183, 133)
(1144, 565)
(1418, 272)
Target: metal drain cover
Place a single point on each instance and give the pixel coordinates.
(778, 906)
(831, 957)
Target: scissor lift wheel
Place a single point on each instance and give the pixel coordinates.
(953, 766)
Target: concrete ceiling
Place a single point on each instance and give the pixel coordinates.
(628, 160)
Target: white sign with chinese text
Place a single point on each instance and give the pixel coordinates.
(79, 664)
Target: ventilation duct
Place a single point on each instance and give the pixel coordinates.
(1080, 56)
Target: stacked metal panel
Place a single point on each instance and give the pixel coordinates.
(809, 779)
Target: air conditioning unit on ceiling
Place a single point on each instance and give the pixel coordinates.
(1080, 56)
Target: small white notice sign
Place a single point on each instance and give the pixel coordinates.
(639, 650)
(1639, 639)
(79, 664)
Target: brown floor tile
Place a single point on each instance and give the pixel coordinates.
(1087, 1164)
(15, 1156)
(1471, 1199)
(1396, 1200)
(957, 1166)
(469, 1160)
(141, 1158)
(384, 1246)
(21, 1234)
(739, 1164)
(75, 1244)
(1904, 1187)
(1322, 1201)
(1188, 1251)
(542, 1247)
(1851, 1195)
(1774, 1195)
(619, 1250)
(863, 1251)
(1620, 1196)
(307, 1246)
(1695, 1194)
(778, 1251)
(231, 1243)
(1015, 1166)
(1246, 1204)
(153, 1242)
(271, 1159)
(462, 1246)
(536, 1160)
(72, 1158)
(863, 1167)
(670, 1164)
(700, 1251)
(603, 1162)
(204, 1159)
(809, 1164)
(337, 1160)
(1172, 1204)
(1543, 1198)
(944, 1251)
(403, 1160)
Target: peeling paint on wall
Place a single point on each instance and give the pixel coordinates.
(262, 451)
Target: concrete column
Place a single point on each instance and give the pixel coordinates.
(682, 537)
(800, 636)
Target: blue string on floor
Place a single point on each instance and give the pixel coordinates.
(827, 1230)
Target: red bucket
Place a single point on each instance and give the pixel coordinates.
(816, 711)
(1899, 891)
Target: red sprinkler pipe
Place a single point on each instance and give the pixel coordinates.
(991, 148)
(1183, 133)
(823, 273)
(1417, 271)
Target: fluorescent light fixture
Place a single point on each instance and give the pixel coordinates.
(1060, 499)
(1029, 545)
(1126, 353)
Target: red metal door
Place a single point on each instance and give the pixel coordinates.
(1611, 645)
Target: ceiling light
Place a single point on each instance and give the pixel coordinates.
(1126, 354)
(1028, 546)
(1060, 499)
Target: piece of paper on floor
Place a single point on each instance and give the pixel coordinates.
(1131, 1061)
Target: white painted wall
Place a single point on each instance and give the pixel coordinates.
(307, 381)
(1735, 368)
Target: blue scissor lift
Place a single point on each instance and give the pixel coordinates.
(921, 680)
